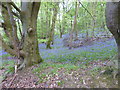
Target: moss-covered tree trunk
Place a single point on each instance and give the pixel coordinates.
(26, 48)
(51, 34)
(29, 18)
(74, 26)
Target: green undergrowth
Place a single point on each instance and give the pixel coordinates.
(42, 40)
(81, 58)
(8, 66)
(5, 55)
(48, 70)
(92, 74)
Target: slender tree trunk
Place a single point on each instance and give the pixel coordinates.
(94, 20)
(61, 33)
(47, 20)
(87, 33)
(63, 19)
(74, 26)
(51, 35)
(60, 29)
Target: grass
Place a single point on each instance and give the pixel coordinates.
(81, 56)
(48, 70)
(5, 55)
(67, 60)
(8, 67)
(42, 40)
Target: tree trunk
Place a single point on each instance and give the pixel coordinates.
(25, 49)
(29, 17)
(51, 35)
(63, 20)
(60, 28)
(113, 24)
(74, 26)
(113, 20)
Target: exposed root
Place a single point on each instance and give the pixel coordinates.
(21, 66)
(12, 80)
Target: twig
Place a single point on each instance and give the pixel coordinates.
(86, 10)
(15, 14)
(13, 4)
(19, 28)
(12, 80)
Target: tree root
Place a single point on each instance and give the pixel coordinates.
(21, 66)
(12, 80)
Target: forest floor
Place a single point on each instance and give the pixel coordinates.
(81, 67)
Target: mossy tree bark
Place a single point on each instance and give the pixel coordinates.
(51, 34)
(74, 26)
(29, 17)
(113, 23)
(25, 48)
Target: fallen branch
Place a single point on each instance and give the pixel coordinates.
(12, 80)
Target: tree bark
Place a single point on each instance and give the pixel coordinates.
(51, 35)
(29, 17)
(25, 49)
(113, 20)
(74, 26)
(60, 29)
(113, 24)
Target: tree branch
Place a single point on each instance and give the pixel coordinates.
(6, 47)
(35, 8)
(14, 28)
(86, 10)
(19, 28)
(13, 4)
(10, 50)
(15, 14)
(13, 23)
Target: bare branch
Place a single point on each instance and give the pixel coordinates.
(13, 4)
(8, 49)
(14, 28)
(19, 28)
(15, 14)
(86, 10)
(13, 23)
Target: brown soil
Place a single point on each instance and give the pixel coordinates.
(80, 78)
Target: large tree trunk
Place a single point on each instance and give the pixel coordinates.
(29, 17)
(25, 49)
(113, 23)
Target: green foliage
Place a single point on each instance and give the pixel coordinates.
(5, 55)
(42, 40)
(66, 16)
(48, 70)
(95, 70)
(8, 66)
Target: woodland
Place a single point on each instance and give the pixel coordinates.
(66, 44)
